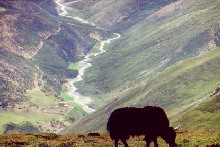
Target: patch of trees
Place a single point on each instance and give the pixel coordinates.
(25, 127)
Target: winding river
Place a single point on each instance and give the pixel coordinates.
(80, 99)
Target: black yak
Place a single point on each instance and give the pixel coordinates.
(150, 121)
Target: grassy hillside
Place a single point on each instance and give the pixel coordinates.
(45, 109)
(170, 59)
(177, 32)
(202, 139)
(116, 15)
(205, 116)
(176, 89)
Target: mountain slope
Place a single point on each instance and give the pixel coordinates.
(172, 89)
(177, 32)
(169, 59)
(205, 116)
(36, 48)
(116, 15)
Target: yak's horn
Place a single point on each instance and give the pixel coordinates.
(177, 128)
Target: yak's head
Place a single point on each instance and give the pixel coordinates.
(170, 136)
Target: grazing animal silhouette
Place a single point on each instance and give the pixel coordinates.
(150, 121)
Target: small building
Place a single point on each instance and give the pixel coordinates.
(62, 104)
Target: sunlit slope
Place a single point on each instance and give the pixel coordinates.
(115, 14)
(184, 82)
(205, 116)
(174, 89)
(178, 32)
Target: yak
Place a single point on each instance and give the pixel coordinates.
(150, 121)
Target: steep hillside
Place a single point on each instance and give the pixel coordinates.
(177, 89)
(114, 14)
(169, 59)
(36, 47)
(179, 31)
(205, 116)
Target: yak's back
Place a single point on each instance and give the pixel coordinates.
(138, 119)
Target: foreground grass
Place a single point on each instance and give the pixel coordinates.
(49, 139)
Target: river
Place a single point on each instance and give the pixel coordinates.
(83, 101)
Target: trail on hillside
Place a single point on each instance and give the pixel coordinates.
(80, 99)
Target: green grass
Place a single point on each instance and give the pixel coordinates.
(19, 117)
(184, 82)
(73, 66)
(176, 87)
(158, 61)
(205, 116)
(2, 9)
(76, 112)
(148, 48)
(39, 98)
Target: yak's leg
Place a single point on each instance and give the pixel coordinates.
(147, 144)
(124, 142)
(148, 141)
(116, 142)
(155, 141)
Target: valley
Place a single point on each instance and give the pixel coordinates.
(67, 64)
(48, 96)
(169, 59)
(83, 65)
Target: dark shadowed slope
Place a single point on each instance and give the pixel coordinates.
(36, 48)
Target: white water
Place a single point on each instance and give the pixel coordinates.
(64, 13)
(80, 99)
